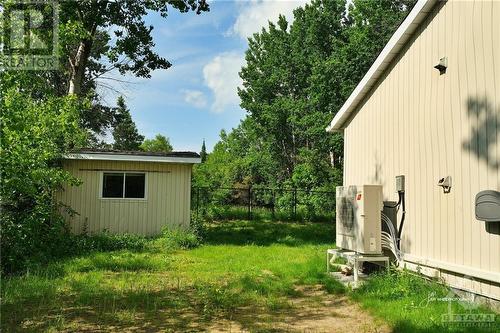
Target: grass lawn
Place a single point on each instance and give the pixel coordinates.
(254, 276)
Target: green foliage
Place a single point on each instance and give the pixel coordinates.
(102, 242)
(159, 144)
(88, 49)
(125, 132)
(92, 49)
(34, 136)
(296, 77)
(197, 226)
(177, 238)
(399, 284)
(218, 212)
(239, 158)
(182, 239)
(93, 117)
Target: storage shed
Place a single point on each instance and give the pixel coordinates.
(429, 109)
(128, 192)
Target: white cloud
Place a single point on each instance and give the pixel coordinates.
(221, 73)
(255, 14)
(221, 76)
(195, 98)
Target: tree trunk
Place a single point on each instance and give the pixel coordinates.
(332, 159)
(77, 67)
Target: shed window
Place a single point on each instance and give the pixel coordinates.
(124, 185)
(134, 185)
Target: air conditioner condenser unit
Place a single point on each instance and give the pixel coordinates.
(358, 218)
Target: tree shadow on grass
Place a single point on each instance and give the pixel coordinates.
(264, 234)
(104, 310)
(91, 305)
(118, 261)
(100, 302)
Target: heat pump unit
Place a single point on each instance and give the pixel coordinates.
(358, 218)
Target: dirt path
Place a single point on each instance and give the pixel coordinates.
(314, 312)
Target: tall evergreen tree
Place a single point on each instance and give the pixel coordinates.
(125, 132)
(203, 152)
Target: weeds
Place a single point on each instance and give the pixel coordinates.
(89, 246)
(181, 239)
(173, 239)
(411, 303)
(214, 299)
(107, 242)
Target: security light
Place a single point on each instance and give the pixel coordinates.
(442, 65)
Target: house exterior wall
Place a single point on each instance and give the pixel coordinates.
(167, 202)
(426, 126)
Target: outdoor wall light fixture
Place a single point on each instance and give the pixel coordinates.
(445, 183)
(442, 65)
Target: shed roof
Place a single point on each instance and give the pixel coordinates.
(139, 156)
(417, 15)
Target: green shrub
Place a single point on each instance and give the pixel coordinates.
(399, 284)
(30, 240)
(197, 226)
(177, 238)
(107, 242)
(63, 244)
(35, 134)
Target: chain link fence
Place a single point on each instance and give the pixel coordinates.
(258, 202)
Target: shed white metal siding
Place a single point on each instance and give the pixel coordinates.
(167, 202)
(426, 126)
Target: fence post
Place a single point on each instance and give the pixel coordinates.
(249, 202)
(274, 202)
(197, 201)
(295, 202)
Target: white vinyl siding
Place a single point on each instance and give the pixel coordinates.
(166, 202)
(426, 126)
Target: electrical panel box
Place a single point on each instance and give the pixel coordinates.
(400, 183)
(391, 211)
(488, 206)
(358, 218)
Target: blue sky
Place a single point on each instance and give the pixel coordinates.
(196, 97)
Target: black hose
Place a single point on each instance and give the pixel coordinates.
(400, 229)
